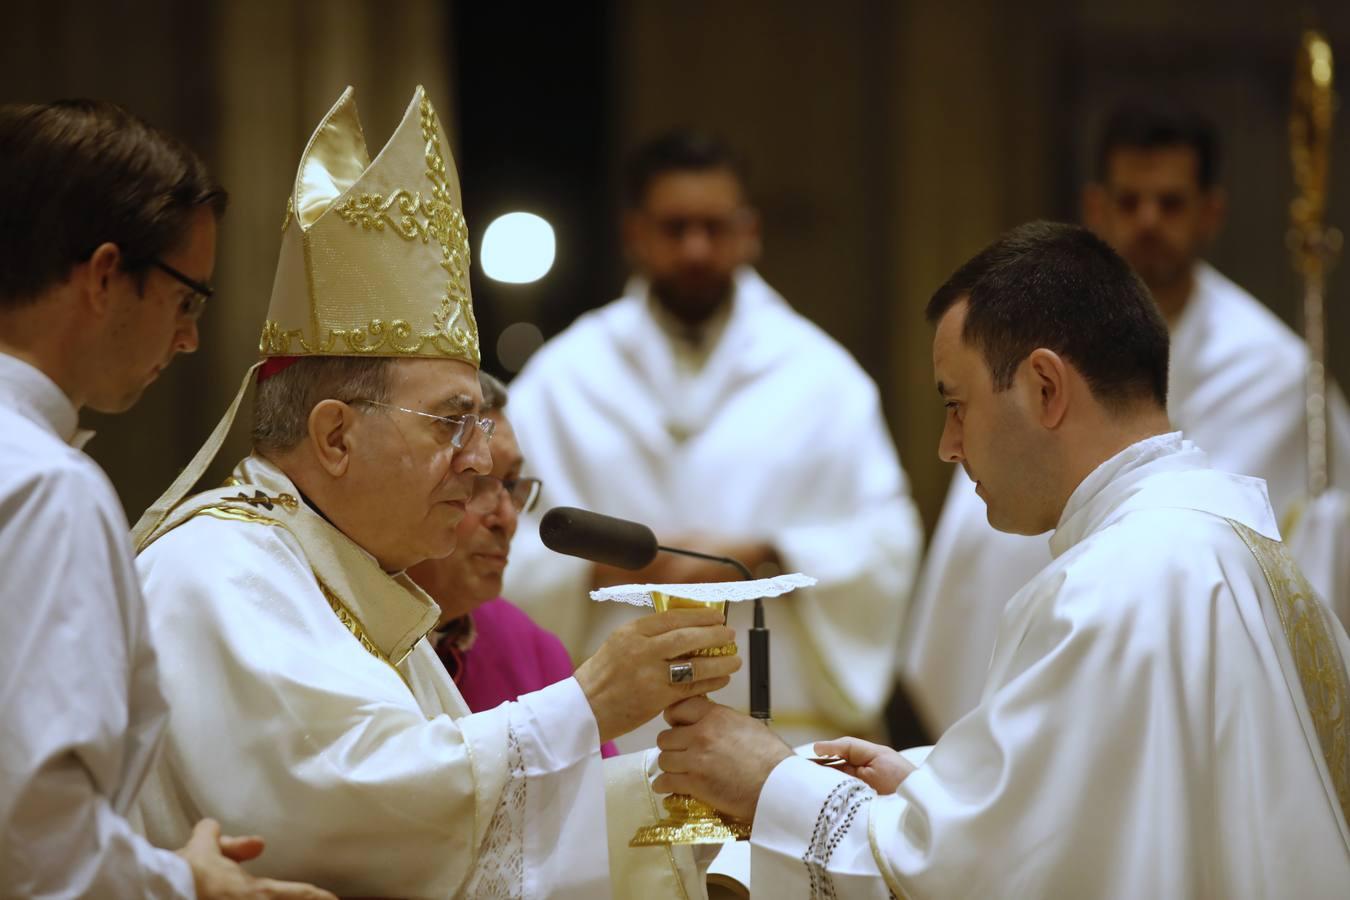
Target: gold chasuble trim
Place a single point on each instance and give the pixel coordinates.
(244, 508)
(344, 615)
(1317, 659)
(358, 631)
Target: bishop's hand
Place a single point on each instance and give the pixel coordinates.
(718, 755)
(638, 671)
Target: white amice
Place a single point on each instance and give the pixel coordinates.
(1147, 729)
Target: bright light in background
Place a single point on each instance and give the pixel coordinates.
(516, 343)
(518, 248)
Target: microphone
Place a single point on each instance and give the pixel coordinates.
(602, 539)
(631, 545)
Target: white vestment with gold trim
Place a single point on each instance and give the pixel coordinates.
(308, 707)
(1148, 727)
(776, 435)
(1235, 388)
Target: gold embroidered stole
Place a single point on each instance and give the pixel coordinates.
(387, 614)
(1316, 657)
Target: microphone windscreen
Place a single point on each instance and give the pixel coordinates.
(602, 539)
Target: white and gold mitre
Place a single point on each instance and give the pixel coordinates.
(374, 262)
(374, 255)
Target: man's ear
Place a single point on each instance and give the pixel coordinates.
(330, 428)
(95, 277)
(1050, 378)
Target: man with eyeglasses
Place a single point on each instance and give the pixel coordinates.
(307, 696)
(491, 648)
(107, 240)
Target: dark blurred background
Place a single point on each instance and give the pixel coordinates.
(887, 141)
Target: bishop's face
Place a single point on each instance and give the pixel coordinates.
(994, 435)
(472, 574)
(689, 236)
(410, 482)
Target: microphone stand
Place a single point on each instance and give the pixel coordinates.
(759, 636)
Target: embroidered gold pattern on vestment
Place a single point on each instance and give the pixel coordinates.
(266, 502)
(353, 624)
(234, 514)
(1321, 670)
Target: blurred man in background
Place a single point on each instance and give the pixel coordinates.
(1235, 388)
(492, 650)
(701, 404)
(107, 243)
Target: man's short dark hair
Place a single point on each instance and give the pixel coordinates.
(684, 150)
(1061, 287)
(1150, 125)
(75, 174)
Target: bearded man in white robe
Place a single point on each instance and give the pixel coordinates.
(1235, 388)
(305, 696)
(1165, 715)
(701, 404)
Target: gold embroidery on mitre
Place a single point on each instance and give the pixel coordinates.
(1321, 669)
(432, 217)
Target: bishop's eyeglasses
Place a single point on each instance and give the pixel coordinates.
(455, 430)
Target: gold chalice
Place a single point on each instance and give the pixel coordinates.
(687, 820)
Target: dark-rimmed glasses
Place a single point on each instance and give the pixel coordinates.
(487, 493)
(195, 303)
(456, 428)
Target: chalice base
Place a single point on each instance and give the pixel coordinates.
(689, 821)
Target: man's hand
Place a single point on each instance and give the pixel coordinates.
(718, 755)
(627, 681)
(878, 766)
(214, 861)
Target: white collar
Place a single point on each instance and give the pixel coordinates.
(28, 391)
(1163, 471)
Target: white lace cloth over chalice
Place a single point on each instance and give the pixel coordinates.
(707, 592)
